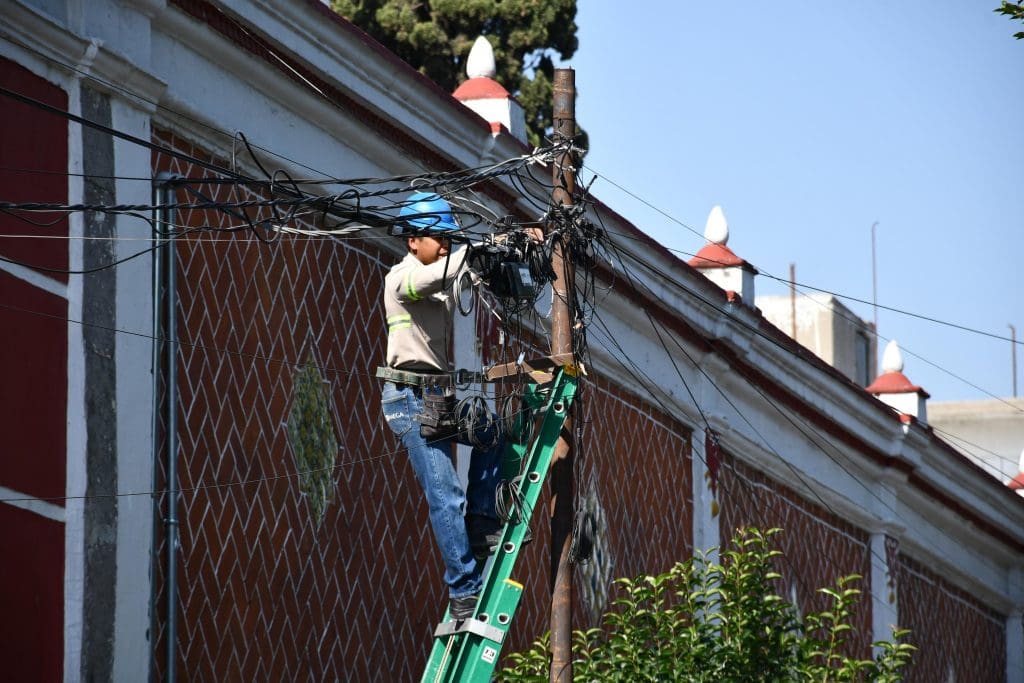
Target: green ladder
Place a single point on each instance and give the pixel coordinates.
(468, 650)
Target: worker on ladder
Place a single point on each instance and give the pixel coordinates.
(418, 398)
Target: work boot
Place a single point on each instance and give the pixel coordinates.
(485, 535)
(462, 608)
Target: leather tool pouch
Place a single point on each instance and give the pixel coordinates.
(437, 421)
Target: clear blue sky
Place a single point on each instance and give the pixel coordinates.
(809, 121)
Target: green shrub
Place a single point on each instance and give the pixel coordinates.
(703, 621)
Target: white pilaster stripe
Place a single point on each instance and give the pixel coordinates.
(26, 502)
(36, 279)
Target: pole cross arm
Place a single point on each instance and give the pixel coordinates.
(539, 370)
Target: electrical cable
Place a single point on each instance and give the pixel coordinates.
(755, 386)
(474, 417)
(50, 208)
(666, 277)
(133, 256)
(221, 485)
(637, 374)
(86, 74)
(84, 271)
(748, 422)
(37, 224)
(712, 432)
(329, 203)
(741, 480)
(802, 431)
(24, 99)
(846, 297)
(1015, 463)
(274, 207)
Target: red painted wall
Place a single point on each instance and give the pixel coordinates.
(33, 392)
(33, 168)
(31, 596)
(818, 546)
(958, 638)
(33, 365)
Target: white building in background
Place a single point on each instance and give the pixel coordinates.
(990, 431)
(827, 327)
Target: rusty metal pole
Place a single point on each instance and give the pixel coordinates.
(564, 181)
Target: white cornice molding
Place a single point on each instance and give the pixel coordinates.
(424, 108)
(181, 31)
(65, 52)
(849, 409)
(981, 568)
(928, 531)
(359, 70)
(351, 67)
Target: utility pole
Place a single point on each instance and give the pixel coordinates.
(563, 177)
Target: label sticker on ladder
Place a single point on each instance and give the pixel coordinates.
(489, 654)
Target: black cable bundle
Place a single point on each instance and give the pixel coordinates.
(509, 502)
(477, 422)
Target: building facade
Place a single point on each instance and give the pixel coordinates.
(303, 549)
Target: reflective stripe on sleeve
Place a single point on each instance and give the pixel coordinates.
(410, 290)
(398, 322)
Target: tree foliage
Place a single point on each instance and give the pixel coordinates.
(1014, 10)
(703, 622)
(435, 37)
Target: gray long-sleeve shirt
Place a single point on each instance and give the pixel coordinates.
(419, 312)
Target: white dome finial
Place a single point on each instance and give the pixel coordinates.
(480, 63)
(892, 358)
(716, 230)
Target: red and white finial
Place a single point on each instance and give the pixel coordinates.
(1017, 483)
(892, 358)
(719, 264)
(716, 229)
(486, 96)
(480, 63)
(894, 388)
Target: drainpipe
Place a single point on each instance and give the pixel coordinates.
(164, 282)
(154, 425)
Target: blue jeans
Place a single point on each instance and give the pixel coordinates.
(446, 500)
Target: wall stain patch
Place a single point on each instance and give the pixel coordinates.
(312, 437)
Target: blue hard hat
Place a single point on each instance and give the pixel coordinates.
(426, 211)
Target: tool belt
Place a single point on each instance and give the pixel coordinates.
(437, 421)
(416, 379)
(429, 379)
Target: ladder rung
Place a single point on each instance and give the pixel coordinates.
(484, 630)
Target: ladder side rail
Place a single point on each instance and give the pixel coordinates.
(466, 656)
(500, 595)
